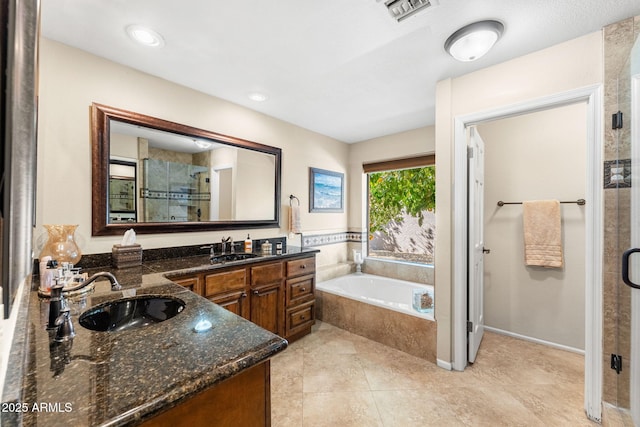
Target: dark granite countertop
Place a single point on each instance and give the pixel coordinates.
(126, 377)
(199, 264)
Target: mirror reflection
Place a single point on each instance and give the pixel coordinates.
(186, 179)
(122, 191)
(152, 173)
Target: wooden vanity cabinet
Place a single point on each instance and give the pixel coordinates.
(242, 400)
(300, 285)
(278, 296)
(267, 300)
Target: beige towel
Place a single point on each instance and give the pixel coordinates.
(294, 220)
(542, 233)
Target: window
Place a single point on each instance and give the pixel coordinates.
(401, 209)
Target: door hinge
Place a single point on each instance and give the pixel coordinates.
(616, 362)
(616, 120)
(469, 326)
(470, 152)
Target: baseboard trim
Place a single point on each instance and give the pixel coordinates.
(535, 340)
(444, 365)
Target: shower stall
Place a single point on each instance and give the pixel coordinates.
(175, 192)
(621, 311)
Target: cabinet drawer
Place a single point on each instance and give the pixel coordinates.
(301, 266)
(222, 282)
(191, 283)
(300, 289)
(266, 274)
(300, 317)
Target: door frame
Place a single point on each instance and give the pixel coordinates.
(592, 96)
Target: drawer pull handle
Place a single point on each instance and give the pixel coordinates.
(244, 295)
(301, 317)
(302, 289)
(303, 266)
(256, 292)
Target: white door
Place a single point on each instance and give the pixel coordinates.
(475, 205)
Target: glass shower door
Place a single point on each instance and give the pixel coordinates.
(622, 292)
(631, 266)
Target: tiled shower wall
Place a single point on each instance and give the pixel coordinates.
(618, 40)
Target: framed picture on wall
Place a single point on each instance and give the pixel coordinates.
(326, 191)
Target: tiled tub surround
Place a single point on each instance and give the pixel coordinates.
(403, 329)
(336, 259)
(123, 378)
(402, 270)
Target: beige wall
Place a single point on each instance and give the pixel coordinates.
(532, 157)
(70, 80)
(573, 64)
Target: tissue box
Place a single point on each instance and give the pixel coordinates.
(126, 256)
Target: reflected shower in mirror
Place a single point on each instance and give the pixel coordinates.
(163, 176)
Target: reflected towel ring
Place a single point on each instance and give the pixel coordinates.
(291, 197)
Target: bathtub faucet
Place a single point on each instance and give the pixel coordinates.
(357, 259)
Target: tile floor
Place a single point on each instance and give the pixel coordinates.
(335, 378)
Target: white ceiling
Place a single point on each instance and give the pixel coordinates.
(343, 68)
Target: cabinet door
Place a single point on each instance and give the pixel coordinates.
(194, 284)
(235, 302)
(218, 283)
(267, 309)
(266, 274)
(242, 400)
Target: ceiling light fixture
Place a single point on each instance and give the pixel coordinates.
(145, 36)
(474, 40)
(257, 96)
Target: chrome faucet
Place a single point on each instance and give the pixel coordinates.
(115, 286)
(57, 303)
(224, 245)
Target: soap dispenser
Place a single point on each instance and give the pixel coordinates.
(248, 244)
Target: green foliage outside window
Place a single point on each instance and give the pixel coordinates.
(393, 192)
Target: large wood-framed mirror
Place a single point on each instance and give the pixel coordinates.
(158, 176)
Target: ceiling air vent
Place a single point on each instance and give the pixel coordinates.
(402, 9)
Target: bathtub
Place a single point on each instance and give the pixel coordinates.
(378, 308)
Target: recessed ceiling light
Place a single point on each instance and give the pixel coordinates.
(474, 40)
(258, 97)
(145, 36)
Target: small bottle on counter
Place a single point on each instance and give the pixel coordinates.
(266, 248)
(48, 273)
(44, 286)
(248, 244)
